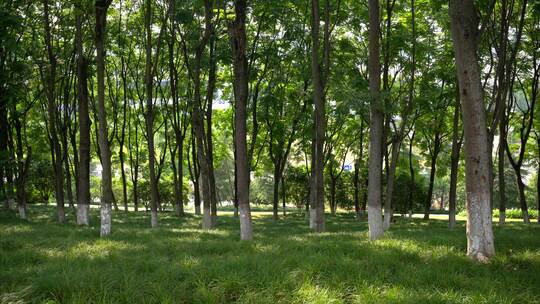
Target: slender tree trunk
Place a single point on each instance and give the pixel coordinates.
(106, 176)
(149, 83)
(209, 142)
(522, 198)
(317, 222)
(195, 176)
(356, 189)
(23, 165)
(198, 124)
(275, 201)
(454, 160)
(432, 177)
(283, 195)
(466, 36)
(388, 212)
(333, 202)
(502, 182)
(538, 179)
(411, 172)
(237, 30)
(83, 195)
(52, 113)
(376, 126)
(65, 158)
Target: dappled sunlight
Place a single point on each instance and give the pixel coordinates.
(416, 261)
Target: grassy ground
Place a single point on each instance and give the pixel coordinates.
(416, 262)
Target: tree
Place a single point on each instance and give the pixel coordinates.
(106, 173)
(316, 221)
(237, 31)
(83, 177)
(375, 126)
(466, 34)
(52, 116)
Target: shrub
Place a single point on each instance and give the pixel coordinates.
(510, 213)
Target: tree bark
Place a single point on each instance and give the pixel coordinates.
(237, 31)
(376, 126)
(317, 222)
(454, 160)
(52, 113)
(83, 177)
(209, 142)
(149, 83)
(502, 182)
(435, 154)
(22, 167)
(466, 36)
(106, 176)
(411, 172)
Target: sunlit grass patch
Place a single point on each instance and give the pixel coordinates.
(417, 261)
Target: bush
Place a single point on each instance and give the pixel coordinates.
(510, 213)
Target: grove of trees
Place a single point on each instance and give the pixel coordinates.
(383, 107)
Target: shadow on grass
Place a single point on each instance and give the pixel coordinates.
(417, 262)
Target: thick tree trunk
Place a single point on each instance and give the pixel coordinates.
(237, 30)
(106, 176)
(52, 113)
(376, 126)
(317, 222)
(83, 177)
(465, 35)
(454, 163)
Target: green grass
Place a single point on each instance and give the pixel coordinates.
(416, 262)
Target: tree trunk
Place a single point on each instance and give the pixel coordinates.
(106, 176)
(465, 35)
(388, 212)
(22, 169)
(275, 198)
(376, 126)
(317, 222)
(209, 142)
(454, 163)
(52, 113)
(198, 124)
(237, 30)
(538, 179)
(522, 198)
(149, 83)
(333, 202)
(411, 172)
(83, 194)
(283, 195)
(432, 177)
(502, 182)
(356, 189)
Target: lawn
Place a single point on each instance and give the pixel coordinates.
(416, 262)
